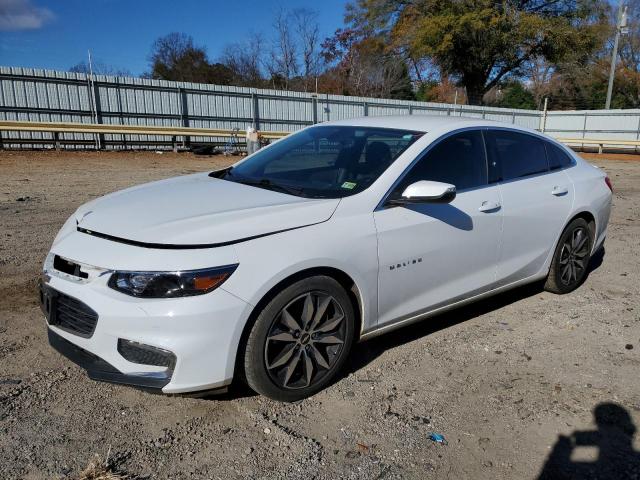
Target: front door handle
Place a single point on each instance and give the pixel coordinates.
(557, 191)
(489, 206)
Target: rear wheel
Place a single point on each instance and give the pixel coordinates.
(300, 340)
(571, 258)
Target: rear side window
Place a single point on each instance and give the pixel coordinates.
(458, 159)
(516, 154)
(558, 158)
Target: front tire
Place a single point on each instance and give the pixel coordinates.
(300, 340)
(571, 259)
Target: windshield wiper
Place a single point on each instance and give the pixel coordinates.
(269, 185)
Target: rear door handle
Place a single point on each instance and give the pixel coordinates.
(557, 191)
(489, 206)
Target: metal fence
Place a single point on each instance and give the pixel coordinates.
(45, 95)
(586, 124)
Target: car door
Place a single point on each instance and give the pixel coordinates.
(536, 201)
(431, 254)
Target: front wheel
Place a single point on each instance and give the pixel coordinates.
(300, 340)
(571, 258)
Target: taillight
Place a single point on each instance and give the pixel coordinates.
(607, 180)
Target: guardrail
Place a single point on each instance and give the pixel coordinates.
(101, 129)
(600, 142)
(174, 132)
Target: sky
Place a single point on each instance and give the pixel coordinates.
(56, 34)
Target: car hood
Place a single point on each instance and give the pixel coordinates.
(198, 211)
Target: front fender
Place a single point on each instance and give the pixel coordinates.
(266, 262)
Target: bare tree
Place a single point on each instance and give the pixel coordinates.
(539, 72)
(308, 38)
(245, 61)
(365, 68)
(283, 64)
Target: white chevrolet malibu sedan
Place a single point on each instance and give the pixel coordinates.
(270, 270)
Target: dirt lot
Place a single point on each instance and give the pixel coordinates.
(504, 380)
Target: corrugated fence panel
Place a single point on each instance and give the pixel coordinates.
(598, 124)
(44, 95)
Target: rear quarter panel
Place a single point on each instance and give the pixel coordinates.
(591, 195)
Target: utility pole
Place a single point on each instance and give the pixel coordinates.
(621, 29)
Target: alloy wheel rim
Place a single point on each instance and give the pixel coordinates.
(305, 340)
(573, 256)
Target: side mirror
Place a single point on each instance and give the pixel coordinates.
(426, 191)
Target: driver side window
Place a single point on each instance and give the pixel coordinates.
(459, 160)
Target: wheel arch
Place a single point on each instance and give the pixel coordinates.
(583, 213)
(344, 279)
(588, 217)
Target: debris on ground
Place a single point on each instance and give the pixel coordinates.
(437, 438)
(99, 469)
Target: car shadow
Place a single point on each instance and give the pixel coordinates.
(445, 213)
(367, 351)
(596, 260)
(611, 445)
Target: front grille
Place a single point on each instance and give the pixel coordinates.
(74, 316)
(67, 313)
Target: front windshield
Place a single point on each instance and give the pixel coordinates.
(323, 162)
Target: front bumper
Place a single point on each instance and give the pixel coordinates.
(98, 369)
(202, 332)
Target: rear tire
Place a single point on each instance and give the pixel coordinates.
(300, 340)
(571, 259)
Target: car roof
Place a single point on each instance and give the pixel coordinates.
(423, 123)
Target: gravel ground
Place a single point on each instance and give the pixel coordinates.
(510, 382)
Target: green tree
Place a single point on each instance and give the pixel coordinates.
(513, 94)
(175, 57)
(481, 42)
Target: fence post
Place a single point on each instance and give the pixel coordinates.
(120, 110)
(98, 108)
(365, 105)
(584, 129)
(314, 106)
(410, 109)
(255, 112)
(56, 140)
(90, 99)
(544, 115)
(635, 149)
(326, 109)
(184, 113)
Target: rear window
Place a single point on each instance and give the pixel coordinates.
(517, 154)
(558, 158)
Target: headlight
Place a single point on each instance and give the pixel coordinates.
(170, 284)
